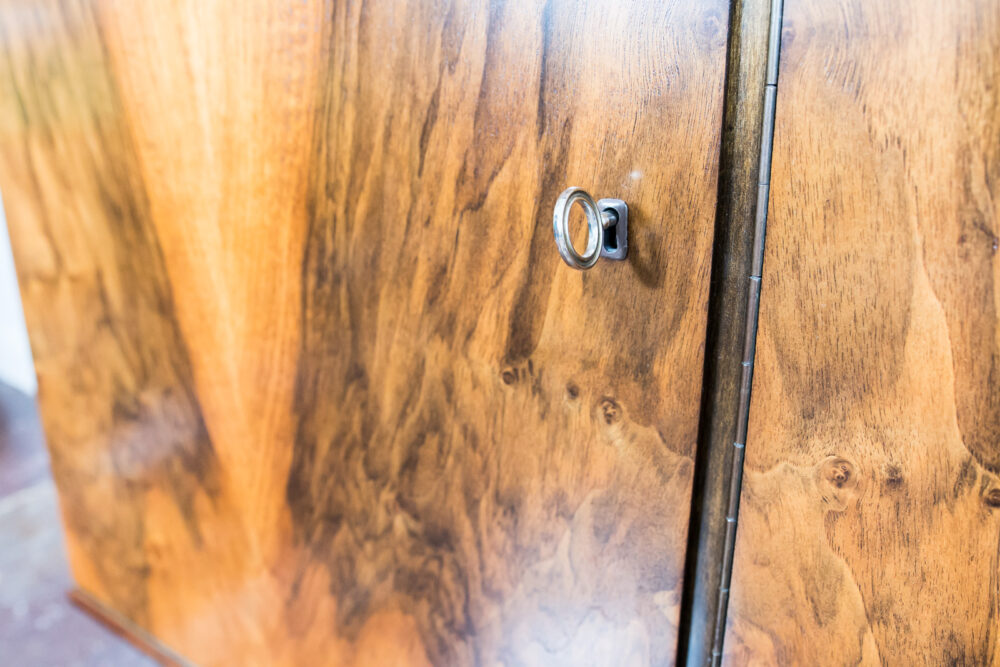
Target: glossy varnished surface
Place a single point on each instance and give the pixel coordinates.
(869, 529)
(315, 380)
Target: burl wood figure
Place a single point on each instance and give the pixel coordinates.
(316, 384)
(869, 529)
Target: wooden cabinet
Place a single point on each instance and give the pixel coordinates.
(318, 388)
(316, 384)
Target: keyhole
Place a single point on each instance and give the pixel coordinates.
(610, 235)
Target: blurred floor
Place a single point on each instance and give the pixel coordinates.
(38, 625)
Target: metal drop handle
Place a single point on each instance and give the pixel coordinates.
(607, 228)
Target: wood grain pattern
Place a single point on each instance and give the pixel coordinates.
(314, 378)
(870, 519)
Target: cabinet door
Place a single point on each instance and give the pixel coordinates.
(869, 528)
(316, 383)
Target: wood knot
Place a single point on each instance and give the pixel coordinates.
(837, 481)
(509, 376)
(992, 498)
(572, 390)
(840, 473)
(611, 410)
(787, 33)
(893, 476)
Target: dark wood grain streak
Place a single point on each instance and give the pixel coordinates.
(306, 348)
(869, 528)
(732, 262)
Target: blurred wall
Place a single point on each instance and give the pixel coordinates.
(16, 368)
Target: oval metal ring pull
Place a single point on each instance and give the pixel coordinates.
(607, 228)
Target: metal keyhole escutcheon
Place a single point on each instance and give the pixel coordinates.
(607, 228)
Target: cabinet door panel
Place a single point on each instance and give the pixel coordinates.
(314, 378)
(869, 527)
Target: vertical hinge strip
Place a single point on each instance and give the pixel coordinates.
(753, 309)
